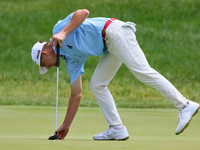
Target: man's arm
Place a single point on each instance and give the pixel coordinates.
(75, 98)
(77, 19)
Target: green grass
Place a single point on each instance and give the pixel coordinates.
(167, 30)
(28, 128)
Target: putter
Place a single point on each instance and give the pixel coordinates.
(55, 136)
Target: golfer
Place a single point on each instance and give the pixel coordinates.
(80, 37)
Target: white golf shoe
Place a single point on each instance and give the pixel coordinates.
(112, 134)
(185, 115)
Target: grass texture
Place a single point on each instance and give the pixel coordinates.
(167, 31)
(28, 128)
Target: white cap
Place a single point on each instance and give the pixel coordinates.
(36, 55)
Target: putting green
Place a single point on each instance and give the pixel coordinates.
(28, 128)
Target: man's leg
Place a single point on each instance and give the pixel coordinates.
(102, 76)
(123, 44)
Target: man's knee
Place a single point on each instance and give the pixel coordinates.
(96, 87)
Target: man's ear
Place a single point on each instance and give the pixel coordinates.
(44, 52)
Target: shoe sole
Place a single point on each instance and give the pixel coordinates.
(124, 139)
(188, 122)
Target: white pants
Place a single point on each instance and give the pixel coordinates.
(124, 48)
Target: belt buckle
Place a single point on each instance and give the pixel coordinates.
(103, 31)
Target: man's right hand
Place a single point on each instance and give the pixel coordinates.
(62, 132)
(75, 98)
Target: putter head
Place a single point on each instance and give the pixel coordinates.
(54, 136)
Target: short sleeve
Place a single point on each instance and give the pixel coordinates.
(74, 68)
(61, 24)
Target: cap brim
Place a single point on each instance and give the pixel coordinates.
(43, 70)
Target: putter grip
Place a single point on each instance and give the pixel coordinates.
(58, 55)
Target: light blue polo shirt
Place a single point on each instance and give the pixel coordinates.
(86, 40)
